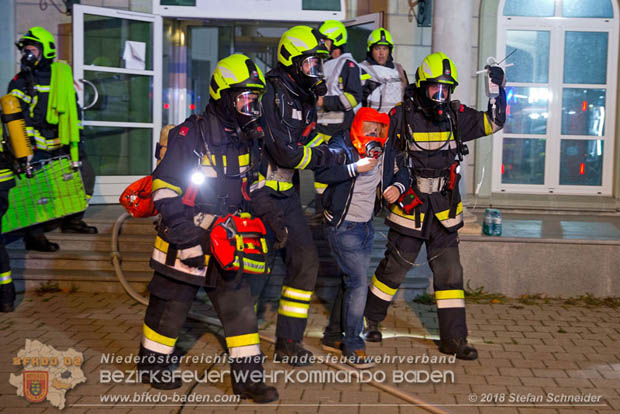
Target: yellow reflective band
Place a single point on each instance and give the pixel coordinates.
(278, 185)
(296, 293)
(244, 160)
(242, 340)
(433, 136)
(305, 160)
(449, 294)
(161, 244)
(158, 184)
(250, 266)
(316, 141)
(42, 88)
(382, 286)
(19, 94)
(399, 212)
(351, 99)
(5, 278)
(293, 309)
(6, 175)
(444, 215)
(320, 186)
(214, 162)
(488, 129)
(365, 76)
(154, 336)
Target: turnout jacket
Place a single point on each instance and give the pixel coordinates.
(289, 118)
(344, 93)
(431, 149)
(33, 89)
(341, 178)
(200, 147)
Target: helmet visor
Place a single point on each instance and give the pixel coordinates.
(438, 92)
(248, 103)
(312, 66)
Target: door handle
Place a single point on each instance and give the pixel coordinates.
(95, 99)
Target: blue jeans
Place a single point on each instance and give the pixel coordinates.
(351, 245)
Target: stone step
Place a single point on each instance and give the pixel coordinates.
(95, 242)
(78, 260)
(85, 281)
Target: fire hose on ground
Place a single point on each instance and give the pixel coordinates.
(117, 260)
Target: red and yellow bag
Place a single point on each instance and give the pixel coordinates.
(238, 243)
(137, 198)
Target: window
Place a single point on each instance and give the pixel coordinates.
(561, 95)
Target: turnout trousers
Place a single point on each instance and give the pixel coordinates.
(171, 300)
(302, 267)
(443, 259)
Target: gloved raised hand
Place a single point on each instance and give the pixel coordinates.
(497, 75)
(195, 259)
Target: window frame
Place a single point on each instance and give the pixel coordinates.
(558, 26)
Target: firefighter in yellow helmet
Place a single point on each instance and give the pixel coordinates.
(289, 116)
(384, 80)
(7, 287)
(202, 179)
(32, 86)
(432, 136)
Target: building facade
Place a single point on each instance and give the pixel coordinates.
(150, 62)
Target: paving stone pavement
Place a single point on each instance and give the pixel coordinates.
(531, 358)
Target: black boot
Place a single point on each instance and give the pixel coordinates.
(292, 353)
(77, 226)
(7, 297)
(157, 373)
(40, 243)
(371, 331)
(248, 381)
(458, 347)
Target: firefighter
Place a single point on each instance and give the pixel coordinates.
(7, 287)
(344, 92)
(431, 130)
(202, 177)
(384, 80)
(290, 116)
(32, 86)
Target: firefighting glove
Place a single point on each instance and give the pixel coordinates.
(497, 75)
(192, 257)
(281, 238)
(409, 200)
(180, 229)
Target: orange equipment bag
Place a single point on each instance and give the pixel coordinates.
(238, 243)
(137, 198)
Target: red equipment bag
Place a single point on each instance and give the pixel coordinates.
(238, 243)
(137, 198)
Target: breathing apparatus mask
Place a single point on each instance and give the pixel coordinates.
(29, 59)
(244, 107)
(434, 99)
(369, 132)
(309, 74)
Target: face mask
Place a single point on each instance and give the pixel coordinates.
(319, 88)
(28, 60)
(369, 132)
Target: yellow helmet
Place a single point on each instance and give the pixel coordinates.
(39, 37)
(379, 36)
(298, 41)
(335, 31)
(238, 72)
(437, 68)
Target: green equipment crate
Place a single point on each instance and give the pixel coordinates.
(55, 190)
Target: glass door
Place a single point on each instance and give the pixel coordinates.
(358, 30)
(117, 62)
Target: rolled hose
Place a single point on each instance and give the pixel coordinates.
(116, 261)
